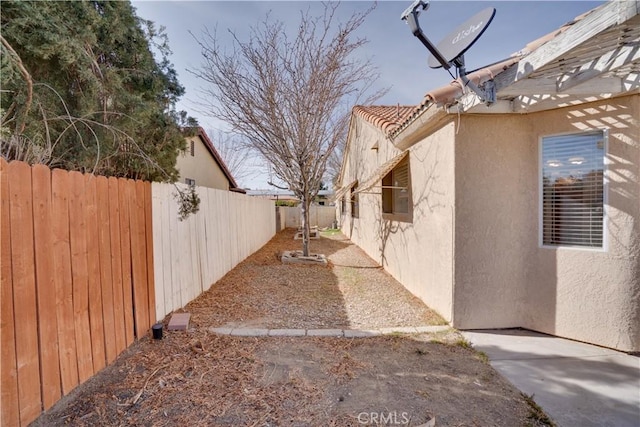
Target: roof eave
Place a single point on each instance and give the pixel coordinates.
(216, 156)
(426, 122)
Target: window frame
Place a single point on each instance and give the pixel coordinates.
(354, 201)
(390, 193)
(605, 191)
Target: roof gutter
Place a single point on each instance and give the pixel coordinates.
(429, 119)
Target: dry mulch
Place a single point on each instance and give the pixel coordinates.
(198, 378)
(351, 292)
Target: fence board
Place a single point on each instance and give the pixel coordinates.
(24, 291)
(10, 415)
(148, 221)
(46, 290)
(203, 242)
(173, 284)
(80, 274)
(139, 261)
(63, 280)
(106, 278)
(125, 196)
(158, 245)
(169, 253)
(193, 266)
(96, 319)
(116, 266)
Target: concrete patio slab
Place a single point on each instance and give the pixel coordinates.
(576, 384)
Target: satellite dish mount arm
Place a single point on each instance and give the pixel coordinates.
(411, 16)
(486, 93)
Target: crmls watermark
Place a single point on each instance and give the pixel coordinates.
(384, 418)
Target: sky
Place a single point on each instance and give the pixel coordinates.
(400, 58)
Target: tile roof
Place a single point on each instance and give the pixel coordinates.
(386, 118)
(392, 120)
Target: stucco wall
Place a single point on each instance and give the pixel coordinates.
(504, 278)
(587, 295)
(472, 252)
(201, 166)
(419, 254)
(495, 221)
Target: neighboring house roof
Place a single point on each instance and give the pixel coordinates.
(233, 186)
(595, 56)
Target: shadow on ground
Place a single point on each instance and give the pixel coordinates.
(351, 292)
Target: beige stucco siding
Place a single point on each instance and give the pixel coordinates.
(504, 277)
(595, 295)
(201, 167)
(472, 251)
(419, 254)
(496, 199)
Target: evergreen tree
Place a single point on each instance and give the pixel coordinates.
(80, 86)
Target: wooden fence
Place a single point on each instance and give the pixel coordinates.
(77, 281)
(321, 216)
(193, 254)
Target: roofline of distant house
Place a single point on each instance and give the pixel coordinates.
(216, 156)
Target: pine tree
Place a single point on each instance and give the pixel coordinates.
(80, 84)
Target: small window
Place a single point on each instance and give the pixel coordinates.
(396, 192)
(355, 201)
(189, 181)
(343, 205)
(193, 148)
(573, 190)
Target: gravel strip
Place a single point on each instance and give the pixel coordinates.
(352, 292)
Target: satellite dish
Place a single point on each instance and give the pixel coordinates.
(463, 37)
(450, 51)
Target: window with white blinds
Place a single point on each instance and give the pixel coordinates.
(573, 189)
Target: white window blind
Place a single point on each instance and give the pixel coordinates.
(573, 190)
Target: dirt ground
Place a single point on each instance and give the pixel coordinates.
(198, 378)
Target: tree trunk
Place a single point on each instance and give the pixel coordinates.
(305, 224)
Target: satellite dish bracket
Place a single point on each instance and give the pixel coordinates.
(485, 92)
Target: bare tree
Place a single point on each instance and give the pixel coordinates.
(237, 155)
(289, 97)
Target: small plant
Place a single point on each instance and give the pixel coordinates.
(189, 202)
(482, 356)
(536, 414)
(287, 203)
(330, 232)
(464, 343)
